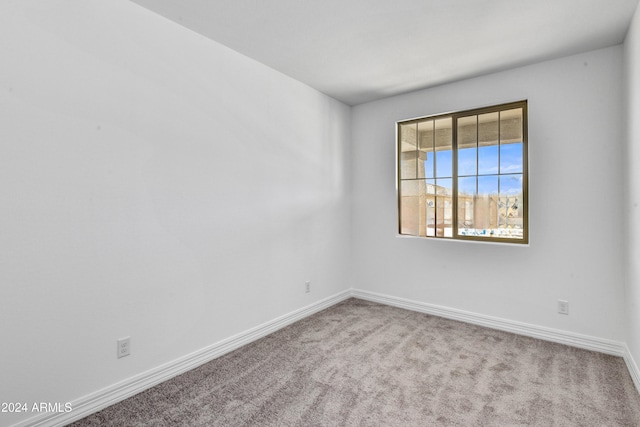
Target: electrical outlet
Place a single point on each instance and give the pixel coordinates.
(124, 347)
(563, 306)
(307, 286)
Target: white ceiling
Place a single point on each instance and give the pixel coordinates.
(361, 50)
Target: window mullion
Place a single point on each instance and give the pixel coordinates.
(500, 171)
(435, 180)
(454, 172)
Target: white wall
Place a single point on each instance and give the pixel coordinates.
(632, 196)
(158, 185)
(154, 184)
(575, 155)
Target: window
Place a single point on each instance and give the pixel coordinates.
(464, 175)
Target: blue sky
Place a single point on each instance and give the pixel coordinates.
(489, 164)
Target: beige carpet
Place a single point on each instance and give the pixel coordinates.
(365, 364)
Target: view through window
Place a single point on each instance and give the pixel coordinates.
(463, 175)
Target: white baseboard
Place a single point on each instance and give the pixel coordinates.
(548, 334)
(101, 399)
(108, 396)
(632, 367)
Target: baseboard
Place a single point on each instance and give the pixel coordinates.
(547, 334)
(108, 396)
(632, 367)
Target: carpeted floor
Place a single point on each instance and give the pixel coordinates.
(364, 364)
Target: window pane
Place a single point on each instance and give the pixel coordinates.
(444, 213)
(443, 164)
(409, 209)
(511, 184)
(467, 185)
(488, 143)
(466, 198)
(488, 129)
(443, 146)
(467, 143)
(486, 206)
(444, 187)
(431, 186)
(511, 158)
(488, 160)
(488, 185)
(511, 141)
(511, 126)
(430, 207)
(431, 216)
(466, 223)
(467, 161)
(444, 208)
(467, 132)
(510, 207)
(408, 151)
(426, 149)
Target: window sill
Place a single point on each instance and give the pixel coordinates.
(480, 242)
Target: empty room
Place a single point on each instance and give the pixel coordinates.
(319, 213)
